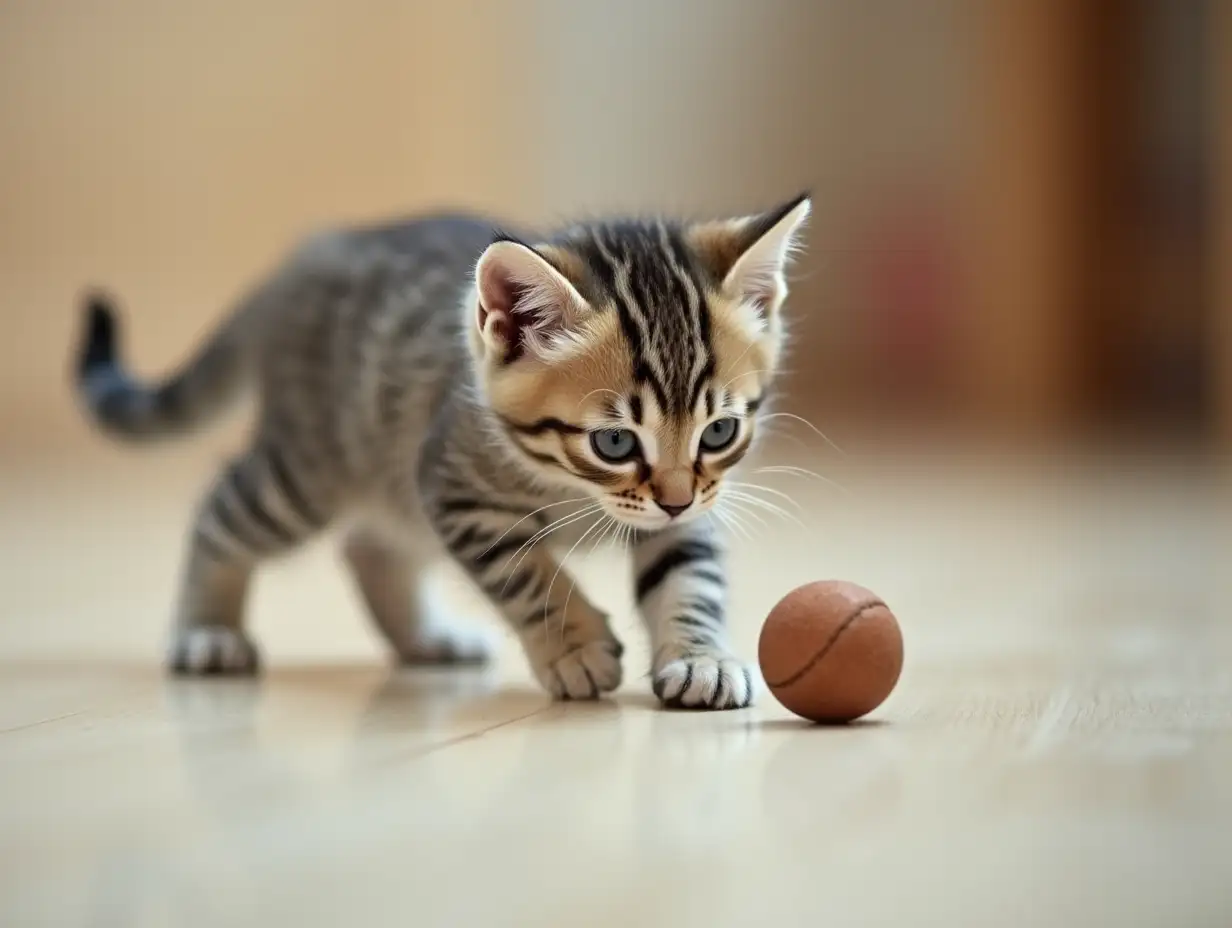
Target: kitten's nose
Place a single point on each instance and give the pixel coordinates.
(673, 492)
(671, 510)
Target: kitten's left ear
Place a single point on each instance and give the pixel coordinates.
(750, 255)
(525, 306)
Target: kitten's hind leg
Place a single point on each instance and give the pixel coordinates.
(256, 509)
(393, 582)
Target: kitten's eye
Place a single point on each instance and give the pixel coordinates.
(719, 434)
(614, 445)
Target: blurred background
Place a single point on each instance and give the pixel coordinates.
(1022, 241)
(1022, 207)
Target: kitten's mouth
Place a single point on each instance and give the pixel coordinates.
(637, 520)
(653, 518)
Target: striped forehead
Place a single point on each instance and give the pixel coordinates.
(646, 274)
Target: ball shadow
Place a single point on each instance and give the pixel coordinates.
(795, 725)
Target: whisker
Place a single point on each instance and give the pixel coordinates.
(738, 508)
(792, 471)
(607, 530)
(729, 522)
(547, 597)
(580, 499)
(617, 539)
(715, 516)
(822, 435)
(627, 537)
(560, 523)
(766, 505)
(607, 527)
(770, 490)
(740, 515)
(755, 516)
(788, 469)
(535, 543)
(776, 430)
(748, 374)
(747, 349)
(531, 542)
(597, 390)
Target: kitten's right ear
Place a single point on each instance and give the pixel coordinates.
(750, 255)
(524, 306)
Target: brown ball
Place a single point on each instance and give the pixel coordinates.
(830, 651)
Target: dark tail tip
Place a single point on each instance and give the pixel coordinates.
(98, 344)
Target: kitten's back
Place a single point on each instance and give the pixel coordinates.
(391, 285)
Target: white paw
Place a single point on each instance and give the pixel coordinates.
(705, 681)
(586, 672)
(212, 649)
(447, 644)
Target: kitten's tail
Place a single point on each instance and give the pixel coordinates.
(182, 403)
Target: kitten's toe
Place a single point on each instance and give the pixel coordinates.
(208, 650)
(705, 681)
(445, 645)
(586, 672)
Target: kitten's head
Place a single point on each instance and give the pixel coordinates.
(630, 359)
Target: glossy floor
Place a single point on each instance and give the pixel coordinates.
(1058, 752)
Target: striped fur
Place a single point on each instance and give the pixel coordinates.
(435, 388)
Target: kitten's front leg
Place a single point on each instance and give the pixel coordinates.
(567, 640)
(681, 593)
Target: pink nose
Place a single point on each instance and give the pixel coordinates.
(673, 491)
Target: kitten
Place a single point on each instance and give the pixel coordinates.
(441, 388)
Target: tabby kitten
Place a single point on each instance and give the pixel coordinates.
(438, 387)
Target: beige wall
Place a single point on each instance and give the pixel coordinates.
(172, 151)
(167, 151)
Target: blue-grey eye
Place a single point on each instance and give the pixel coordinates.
(614, 445)
(719, 434)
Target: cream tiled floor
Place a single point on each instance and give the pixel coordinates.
(1058, 751)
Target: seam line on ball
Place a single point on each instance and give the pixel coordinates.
(816, 658)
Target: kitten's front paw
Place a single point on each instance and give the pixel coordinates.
(705, 681)
(585, 672)
(446, 644)
(201, 650)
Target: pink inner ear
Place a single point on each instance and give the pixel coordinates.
(496, 294)
(505, 329)
(499, 296)
(759, 294)
(522, 291)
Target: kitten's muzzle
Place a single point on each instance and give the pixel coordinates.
(673, 491)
